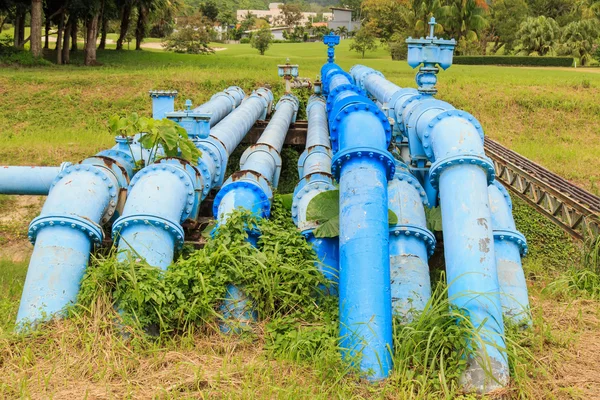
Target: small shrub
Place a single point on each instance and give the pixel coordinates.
(515, 60)
(245, 40)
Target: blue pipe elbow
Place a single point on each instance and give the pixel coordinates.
(411, 245)
(510, 245)
(81, 198)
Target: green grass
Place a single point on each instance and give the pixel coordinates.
(50, 114)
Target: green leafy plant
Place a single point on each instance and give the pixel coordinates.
(156, 134)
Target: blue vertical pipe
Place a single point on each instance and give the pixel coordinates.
(453, 141)
(314, 169)
(510, 245)
(251, 189)
(81, 198)
(163, 195)
(28, 180)
(411, 245)
(221, 104)
(360, 136)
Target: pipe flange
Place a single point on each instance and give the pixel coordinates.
(420, 233)
(405, 176)
(382, 156)
(251, 180)
(341, 88)
(504, 192)
(114, 176)
(512, 236)
(182, 170)
(466, 159)
(318, 182)
(91, 229)
(216, 151)
(364, 75)
(318, 148)
(347, 108)
(426, 136)
(314, 100)
(118, 154)
(172, 227)
(332, 71)
(403, 106)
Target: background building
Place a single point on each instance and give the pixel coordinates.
(275, 16)
(343, 17)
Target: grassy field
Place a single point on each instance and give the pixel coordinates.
(52, 114)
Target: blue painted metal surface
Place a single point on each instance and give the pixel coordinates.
(453, 141)
(510, 245)
(251, 189)
(163, 195)
(411, 245)
(81, 198)
(28, 180)
(314, 169)
(360, 136)
(163, 102)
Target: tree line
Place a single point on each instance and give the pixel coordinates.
(519, 27)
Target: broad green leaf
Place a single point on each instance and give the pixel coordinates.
(113, 123)
(392, 217)
(287, 200)
(434, 218)
(324, 206)
(328, 229)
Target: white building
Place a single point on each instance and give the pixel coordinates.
(343, 17)
(277, 32)
(275, 16)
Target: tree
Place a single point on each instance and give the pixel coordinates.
(247, 22)
(578, 40)
(210, 10)
(292, 14)
(261, 40)
(505, 18)
(342, 31)
(192, 36)
(538, 36)
(385, 17)
(464, 18)
(364, 40)
(125, 8)
(36, 28)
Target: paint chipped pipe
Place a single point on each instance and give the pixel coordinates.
(163, 195)
(510, 245)
(314, 169)
(251, 188)
(453, 141)
(360, 136)
(411, 245)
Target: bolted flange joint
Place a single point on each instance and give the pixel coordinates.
(405, 176)
(367, 153)
(213, 149)
(86, 226)
(426, 136)
(308, 187)
(173, 228)
(418, 232)
(482, 161)
(316, 149)
(512, 236)
(348, 106)
(248, 180)
(343, 88)
(504, 192)
(364, 75)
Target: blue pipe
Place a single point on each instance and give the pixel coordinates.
(314, 169)
(453, 141)
(251, 189)
(81, 198)
(510, 246)
(360, 136)
(221, 104)
(411, 245)
(163, 195)
(28, 180)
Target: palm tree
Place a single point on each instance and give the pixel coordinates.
(464, 18)
(538, 36)
(578, 39)
(342, 31)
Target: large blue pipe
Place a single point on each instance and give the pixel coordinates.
(360, 136)
(81, 198)
(221, 104)
(314, 169)
(251, 189)
(453, 141)
(510, 245)
(411, 245)
(163, 195)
